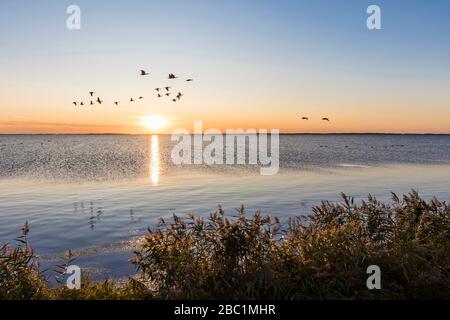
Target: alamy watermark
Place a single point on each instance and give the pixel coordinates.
(73, 280)
(235, 146)
(73, 22)
(374, 20)
(374, 280)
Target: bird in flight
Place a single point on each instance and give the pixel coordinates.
(167, 88)
(91, 93)
(326, 119)
(174, 100)
(168, 94)
(92, 103)
(179, 95)
(141, 98)
(74, 103)
(131, 100)
(157, 89)
(81, 104)
(159, 96)
(144, 73)
(305, 118)
(189, 80)
(172, 76)
(99, 101)
(116, 103)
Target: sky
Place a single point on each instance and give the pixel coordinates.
(259, 64)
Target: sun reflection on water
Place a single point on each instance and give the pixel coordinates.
(155, 165)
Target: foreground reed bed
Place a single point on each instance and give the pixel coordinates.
(321, 256)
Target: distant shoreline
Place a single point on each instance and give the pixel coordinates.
(281, 134)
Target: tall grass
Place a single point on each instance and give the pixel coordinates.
(20, 277)
(321, 256)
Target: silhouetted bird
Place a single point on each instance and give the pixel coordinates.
(99, 101)
(81, 104)
(91, 93)
(74, 103)
(92, 103)
(157, 89)
(326, 119)
(179, 95)
(172, 76)
(159, 96)
(174, 100)
(131, 100)
(116, 103)
(143, 73)
(189, 80)
(168, 94)
(167, 88)
(305, 118)
(141, 98)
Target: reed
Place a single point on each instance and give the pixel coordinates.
(323, 255)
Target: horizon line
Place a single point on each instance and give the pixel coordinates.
(167, 134)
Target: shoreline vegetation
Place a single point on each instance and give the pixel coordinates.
(324, 255)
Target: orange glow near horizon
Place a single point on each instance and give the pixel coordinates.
(224, 103)
(156, 116)
(288, 124)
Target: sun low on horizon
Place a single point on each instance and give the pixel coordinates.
(154, 123)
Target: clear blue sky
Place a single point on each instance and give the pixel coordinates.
(262, 60)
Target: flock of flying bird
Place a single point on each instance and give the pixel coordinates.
(163, 91)
(324, 119)
(160, 92)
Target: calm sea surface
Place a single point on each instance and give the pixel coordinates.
(96, 195)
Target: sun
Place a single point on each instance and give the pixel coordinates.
(154, 122)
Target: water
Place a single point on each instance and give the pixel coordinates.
(96, 194)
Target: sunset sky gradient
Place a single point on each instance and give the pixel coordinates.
(256, 64)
